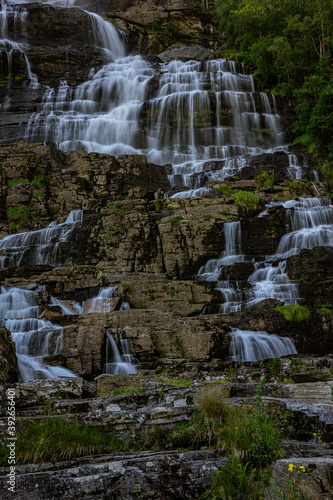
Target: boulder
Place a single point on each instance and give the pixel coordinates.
(306, 477)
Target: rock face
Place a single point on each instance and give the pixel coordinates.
(8, 364)
(151, 248)
(164, 476)
(154, 26)
(313, 478)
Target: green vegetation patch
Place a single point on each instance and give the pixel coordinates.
(58, 439)
(246, 199)
(294, 312)
(127, 288)
(265, 179)
(18, 213)
(175, 219)
(128, 390)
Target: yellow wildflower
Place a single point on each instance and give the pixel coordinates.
(291, 467)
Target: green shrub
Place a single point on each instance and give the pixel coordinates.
(233, 482)
(18, 213)
(224, 189)
(246, 199)
(127, 288)
(294, 312)
(265, 179)
(54, 210)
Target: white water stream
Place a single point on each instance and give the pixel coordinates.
(206, 119)
(34, 338)
(41, 246)
(116, 363)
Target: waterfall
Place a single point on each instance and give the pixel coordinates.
(41, 246)
(102, 303)
(75, 307)
(311, 221)
(253, 346)
(33, 337)
(117, 364)
(184, 113)
(229, 289)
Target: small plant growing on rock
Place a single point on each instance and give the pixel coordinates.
(175, 219)
(18, 213)
(246, 199)
(293, 489)
(265, 179)
(294, 312)
(127, 288)
(224, 189)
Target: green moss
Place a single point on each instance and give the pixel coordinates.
(246, 199)
(54, 210)
(175, 219)
(18, 213)
(265, 179)
(180, 347)
(294, 312)
(127, 288)
(128, 390)
(14, 182)
(224, 189)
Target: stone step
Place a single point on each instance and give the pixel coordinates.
(315, 392)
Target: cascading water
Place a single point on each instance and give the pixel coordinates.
(117, 364)
(41, 246)
(253, 346)
(33, 337)
(72, 309)
(10, 49)
(102, 303)
(204, 118)
(230, 291)
(311, 225)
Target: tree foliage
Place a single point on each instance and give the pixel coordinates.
(289, 45)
